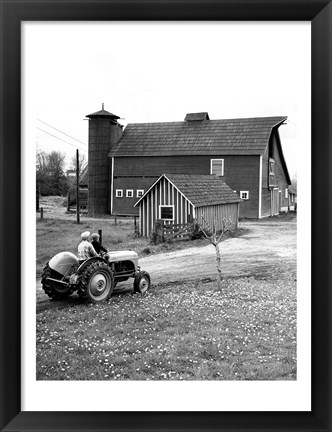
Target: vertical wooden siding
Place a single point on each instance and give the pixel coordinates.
(163, 193)
(217, 213)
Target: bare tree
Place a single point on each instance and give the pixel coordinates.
(214, 238)
(82, 163)
(50, 172)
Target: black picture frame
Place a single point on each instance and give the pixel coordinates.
(13, 12)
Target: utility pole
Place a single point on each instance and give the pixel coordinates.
(77, 187)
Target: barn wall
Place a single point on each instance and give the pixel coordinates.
(158, 165)
(240, 173)
(216, 214)
(124, 205)
(163, 193)
(273, 150)
(280, 173)
(266, 202)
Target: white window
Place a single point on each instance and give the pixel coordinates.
(286, 193)
(217, 167)
(166, 212)
(119, 193)
(129, 193)
(244, 195)
(139, 193)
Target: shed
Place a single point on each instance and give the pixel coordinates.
(183, 198)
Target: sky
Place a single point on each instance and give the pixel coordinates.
(151, 72)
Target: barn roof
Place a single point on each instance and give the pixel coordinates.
(200, 190)
(247, 136)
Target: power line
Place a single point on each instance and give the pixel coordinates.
(61, 132)
(73, 145)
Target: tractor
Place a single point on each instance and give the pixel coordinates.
(95, 278)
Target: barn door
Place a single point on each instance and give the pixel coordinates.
(274, 201)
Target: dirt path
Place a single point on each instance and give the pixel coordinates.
(267, 250)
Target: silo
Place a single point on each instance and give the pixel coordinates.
(104, 131)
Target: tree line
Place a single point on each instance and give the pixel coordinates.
(51, 173)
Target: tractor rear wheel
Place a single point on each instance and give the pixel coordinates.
(55, 290)
(97, 282)
(142, 282)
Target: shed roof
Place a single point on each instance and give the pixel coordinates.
(247, 136)
(200, 190)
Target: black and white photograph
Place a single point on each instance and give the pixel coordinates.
(169, 234)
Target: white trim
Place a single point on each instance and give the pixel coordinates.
(144, 219)
(164, 188)
(148, 215)
(152, 186)
(177, 205)
(178, 190)
(164, 205)
(116, 193)
(112, 185)
(260, 187)
(152, 209)
(247, 192)
(223, 164)
(139, 190)
(130, 191)
(181, 209)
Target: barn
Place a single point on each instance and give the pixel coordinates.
(182, 198)
(246, 153)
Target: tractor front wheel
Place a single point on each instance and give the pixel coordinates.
(55, 290)
(97, 282)
(142, 282)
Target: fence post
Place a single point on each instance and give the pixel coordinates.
(100, 233)
(41, 213)
(115, 219)
(37, 197)
(135, 225)
(68, 201)
(159, 231)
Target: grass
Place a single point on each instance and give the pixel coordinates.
(55, 235)
(191, 331)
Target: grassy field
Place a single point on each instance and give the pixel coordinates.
(191, 331)
(188, 331)
(54, 236)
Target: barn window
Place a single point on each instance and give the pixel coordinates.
(139, 193)
(244, 195)
(119, 193)
(286, 193)
(166, 212)
(217, 167)
(129, 193)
